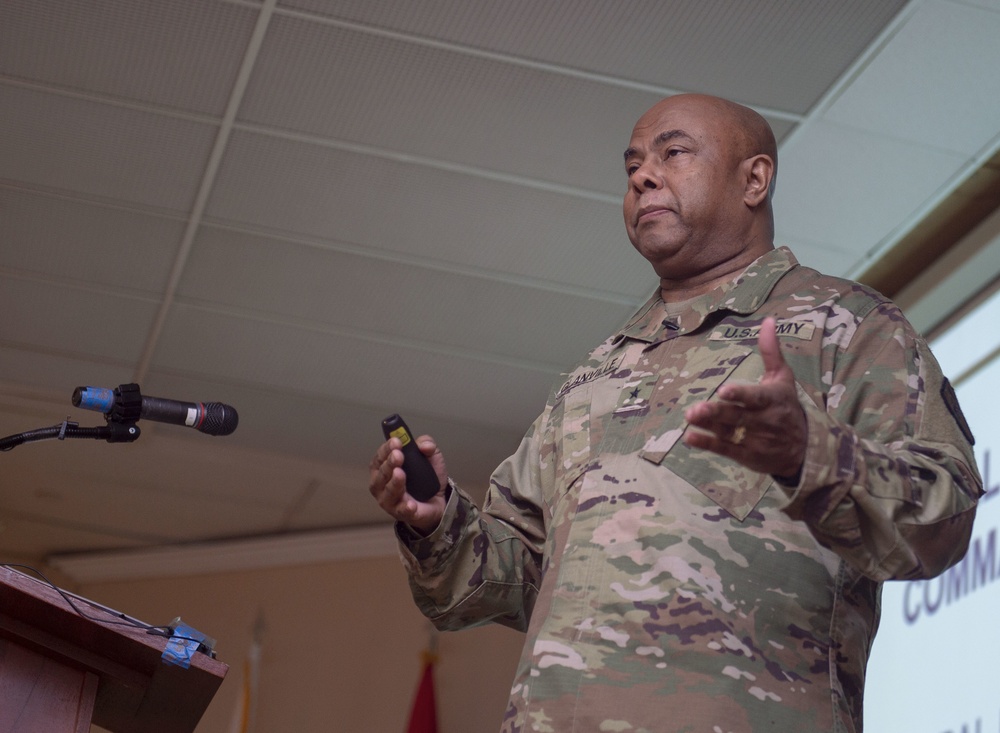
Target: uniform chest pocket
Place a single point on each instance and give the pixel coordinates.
(570, 426)
(728, 484)
(579, 418)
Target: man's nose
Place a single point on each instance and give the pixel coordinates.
(645, 177)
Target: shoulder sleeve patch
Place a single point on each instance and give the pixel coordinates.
(951, 401)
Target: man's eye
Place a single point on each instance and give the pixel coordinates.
(671, 152)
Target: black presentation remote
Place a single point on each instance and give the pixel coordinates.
(421, 480)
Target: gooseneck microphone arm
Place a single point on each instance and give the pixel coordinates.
(113, 432)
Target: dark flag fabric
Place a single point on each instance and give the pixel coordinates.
(423, 714)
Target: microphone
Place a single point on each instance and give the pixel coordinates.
(126, 404)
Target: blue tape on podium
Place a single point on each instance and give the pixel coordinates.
(184, 642)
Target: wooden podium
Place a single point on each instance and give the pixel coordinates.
(60, 671)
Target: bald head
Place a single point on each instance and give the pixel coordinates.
(753, 131)
(747, 131)
(698, 203)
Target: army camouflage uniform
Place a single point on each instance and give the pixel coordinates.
(664, 588)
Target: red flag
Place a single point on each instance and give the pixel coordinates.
(423, 714)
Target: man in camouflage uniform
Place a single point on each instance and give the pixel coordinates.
(694, 531)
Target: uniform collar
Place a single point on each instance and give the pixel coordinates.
(744, 294)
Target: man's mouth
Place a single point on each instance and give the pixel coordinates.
(648, 213)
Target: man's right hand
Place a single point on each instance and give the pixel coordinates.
(388, 485)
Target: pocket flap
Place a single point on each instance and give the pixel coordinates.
(734, 488)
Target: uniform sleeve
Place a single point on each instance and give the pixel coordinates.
(484, 566)
(889, 480)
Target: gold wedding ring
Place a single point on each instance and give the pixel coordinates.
(739, 435)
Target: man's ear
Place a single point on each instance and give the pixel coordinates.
(758, 177)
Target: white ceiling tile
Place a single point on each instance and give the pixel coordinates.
(437, 103)
(128, 49)
(464, 109)
(73, 322)
(778, 54)
(204, 486)
(988, 4)
(850, 189)
(58, 375)
(284, 421)
(347, 368)
(929, 85)
(193, 466)
(105, 488)
(69, 239)
(109, 152)
(444, 216)
(392, 299)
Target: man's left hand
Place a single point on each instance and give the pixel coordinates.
(761, 426)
